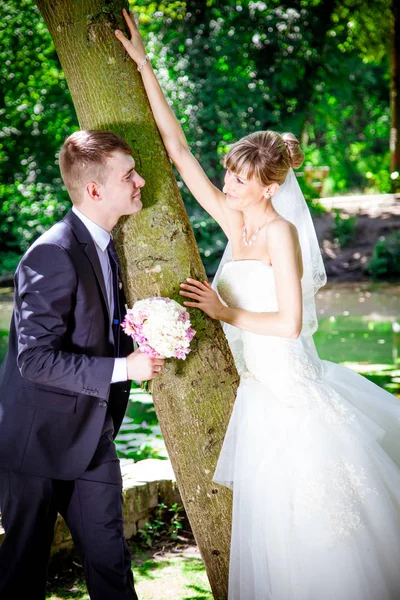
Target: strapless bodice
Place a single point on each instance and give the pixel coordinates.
(248, 284)
(276, 361)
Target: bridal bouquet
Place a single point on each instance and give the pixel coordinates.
(160, 327)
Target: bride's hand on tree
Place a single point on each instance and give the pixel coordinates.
(135, 46)
(206, 299)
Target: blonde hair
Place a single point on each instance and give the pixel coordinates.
(265, 155)
(83, 157)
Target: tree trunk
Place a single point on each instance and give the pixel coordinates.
(157, 251)
(395, 96)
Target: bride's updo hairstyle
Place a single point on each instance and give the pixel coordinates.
(265, 155)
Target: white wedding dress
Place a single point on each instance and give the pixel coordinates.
(312, 453)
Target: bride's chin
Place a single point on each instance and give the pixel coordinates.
(233, 203)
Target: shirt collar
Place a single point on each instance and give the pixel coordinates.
(100, 236)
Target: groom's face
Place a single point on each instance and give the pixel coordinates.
(121, 190)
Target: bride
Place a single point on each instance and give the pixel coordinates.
(312, 450)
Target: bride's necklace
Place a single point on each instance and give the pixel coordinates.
(253, 238)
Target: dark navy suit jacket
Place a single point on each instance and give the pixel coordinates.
(55, 380)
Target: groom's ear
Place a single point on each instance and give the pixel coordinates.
(93, 191)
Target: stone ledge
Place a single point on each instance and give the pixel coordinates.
(146, 484)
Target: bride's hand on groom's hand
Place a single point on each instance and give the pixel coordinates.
(204, 297)
(134, 46)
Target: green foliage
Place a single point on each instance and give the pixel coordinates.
(210, 237)
(166, 525)
(8, 262)
(234, 67)
(37, 114)
(29, 209)
(344, 228)
(347, 125)
(314, 67)
(230, 68)
(363, 27)
(385, 262)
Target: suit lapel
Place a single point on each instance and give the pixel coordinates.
(89, 249)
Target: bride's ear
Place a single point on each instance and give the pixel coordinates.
(271, 190)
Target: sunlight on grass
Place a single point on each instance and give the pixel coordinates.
(6, 306)
(177, 574)
(77, 591)
(3, 343)
(172, 578)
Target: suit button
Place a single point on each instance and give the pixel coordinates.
(103, 404)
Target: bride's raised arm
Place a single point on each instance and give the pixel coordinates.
(206, 194)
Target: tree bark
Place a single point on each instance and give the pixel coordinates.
(395, 96)
(157, 251)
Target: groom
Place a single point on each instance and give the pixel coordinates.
(64, 384)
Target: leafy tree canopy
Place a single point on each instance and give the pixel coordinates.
(318, 68)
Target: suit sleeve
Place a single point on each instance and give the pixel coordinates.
(46, 284)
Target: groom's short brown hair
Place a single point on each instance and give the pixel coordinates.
(83, 157)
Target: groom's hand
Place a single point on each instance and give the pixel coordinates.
(142, 367)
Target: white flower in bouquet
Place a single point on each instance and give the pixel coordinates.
(160, 326)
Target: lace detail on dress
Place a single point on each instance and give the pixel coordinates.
(323, 401)
(330, 408)
(304, 387)
(302, 365)
(338, 496)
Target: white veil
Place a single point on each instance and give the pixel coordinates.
(289, 202)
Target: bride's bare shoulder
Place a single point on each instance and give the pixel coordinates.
(283, 242)
(280, 228)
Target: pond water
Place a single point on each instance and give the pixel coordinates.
(359, 326)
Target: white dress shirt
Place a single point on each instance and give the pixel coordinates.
(101, 239)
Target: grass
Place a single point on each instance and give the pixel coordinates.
(172, 578)
(173, 573)
(140, 434)
(6, 303)
(3, 343)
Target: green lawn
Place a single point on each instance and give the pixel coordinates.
(176, 574)
(6, 303)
